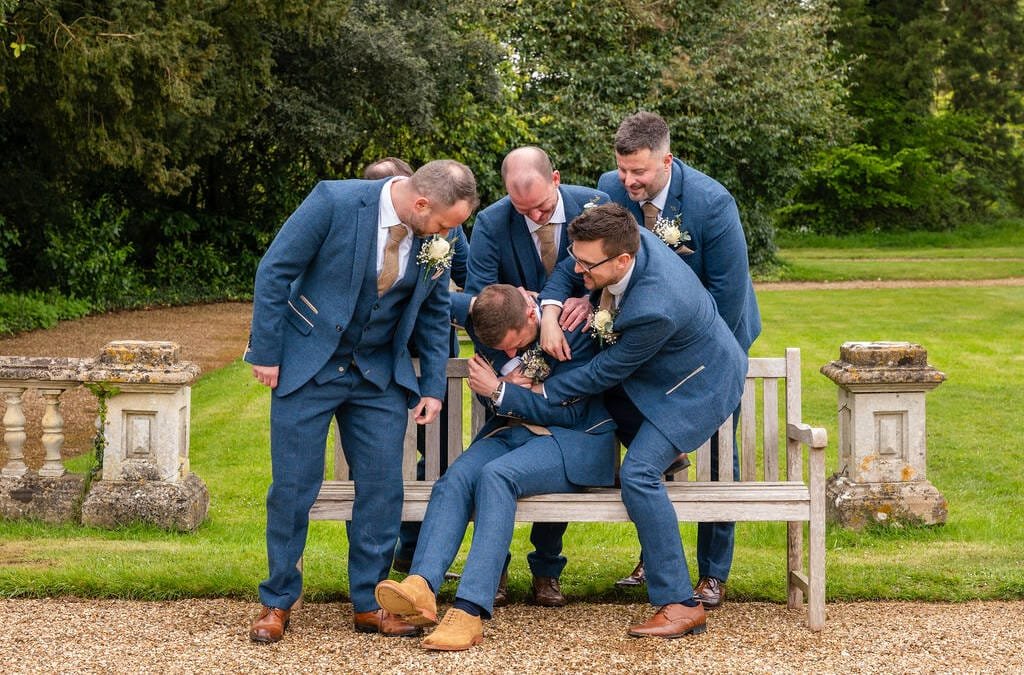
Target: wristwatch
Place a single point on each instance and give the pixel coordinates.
(498, 391)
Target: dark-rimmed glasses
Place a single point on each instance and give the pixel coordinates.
(587, 267)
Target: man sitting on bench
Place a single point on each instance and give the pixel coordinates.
(529, 447)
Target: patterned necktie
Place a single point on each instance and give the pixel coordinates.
(548, 252)
(389, 267)
(651, 213)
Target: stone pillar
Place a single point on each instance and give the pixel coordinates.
(882, 454)
(146, 474)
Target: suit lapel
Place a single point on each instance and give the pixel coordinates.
(366, 239)
(674, 199)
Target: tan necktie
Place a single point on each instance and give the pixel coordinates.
(389, 267)
(607, 300)
(651, 213)
(548, 252)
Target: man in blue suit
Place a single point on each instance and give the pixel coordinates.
(518, 240)
(652, 185)
(678, 368)
(528, 447)
(338, 296)
(410, 530)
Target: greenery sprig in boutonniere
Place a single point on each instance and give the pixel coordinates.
(602, 326)
(670, 232)
(435, 256)
(535, 366)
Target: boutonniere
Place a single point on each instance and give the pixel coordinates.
(594, 201)
(602, 326)
(535, 366)
(435, 256)
(670, 232)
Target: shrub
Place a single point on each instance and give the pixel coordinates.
(19, 313)
(88, 257)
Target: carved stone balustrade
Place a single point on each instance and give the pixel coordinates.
(145, 475)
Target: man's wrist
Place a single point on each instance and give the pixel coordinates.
(498, 393)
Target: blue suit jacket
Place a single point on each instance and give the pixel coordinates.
(307, 287)
(502, 251)
(583, 429)
(675, 357)
(719, 257)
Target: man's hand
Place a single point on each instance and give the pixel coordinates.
(266, 375)
(482, 378)
(574, 312)
(517, 378)
(552, 340)
(427, 410)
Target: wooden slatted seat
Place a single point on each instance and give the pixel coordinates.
(779, 480)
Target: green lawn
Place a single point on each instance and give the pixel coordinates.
(975, 443)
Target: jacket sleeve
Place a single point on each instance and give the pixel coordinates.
(484, 256)
(431, 338)
(726, 268)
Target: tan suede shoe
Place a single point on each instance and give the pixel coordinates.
(458, 631)
(411, 599)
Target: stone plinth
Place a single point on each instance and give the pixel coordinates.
(180, 506)
(882, 450)
(146, 459)
(35, 497)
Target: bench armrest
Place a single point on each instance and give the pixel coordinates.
(815, 437)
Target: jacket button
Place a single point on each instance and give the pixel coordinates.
(337, 328)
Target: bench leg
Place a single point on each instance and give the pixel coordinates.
(794, 562)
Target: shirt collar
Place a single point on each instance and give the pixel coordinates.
(387, 216)
(619, 287)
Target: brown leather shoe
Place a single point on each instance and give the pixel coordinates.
(501, 595)
(411, 599)
(672, 621)
(635, 578)
(681, 462)
(457, 631)
(710, 592)
(546, 592)
(384, 622)
(270, 625)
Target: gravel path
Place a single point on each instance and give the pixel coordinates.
(67, 635)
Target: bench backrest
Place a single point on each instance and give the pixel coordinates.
(758, 437)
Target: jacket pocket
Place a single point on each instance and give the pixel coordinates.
(298, 320)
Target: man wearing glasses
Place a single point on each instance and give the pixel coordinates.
(671, 372)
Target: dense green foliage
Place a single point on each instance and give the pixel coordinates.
(150, 150)
(936, 87)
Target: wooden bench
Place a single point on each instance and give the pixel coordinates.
(774, 485)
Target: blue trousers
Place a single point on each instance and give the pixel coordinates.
(648, 505)
(490, 476)
(372, 425)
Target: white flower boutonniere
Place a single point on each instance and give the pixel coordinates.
(535, 366)
(602, 326)
(670, 232)
(594, 201)
(435, 256)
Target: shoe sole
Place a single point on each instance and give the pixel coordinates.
(392, 598)
(374, 629)
(451, 648)
(696, 630)
(632, 583)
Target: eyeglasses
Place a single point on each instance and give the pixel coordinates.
(587, 267)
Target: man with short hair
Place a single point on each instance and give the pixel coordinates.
(409, 531)
(340, 292)
(529, 446)
(679, 372)
(653, 185)
(518, 240)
